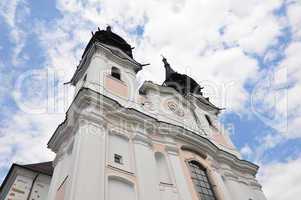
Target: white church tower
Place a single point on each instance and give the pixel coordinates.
(156, 142)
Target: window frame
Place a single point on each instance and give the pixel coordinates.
(116, 73)
(202, 185)
(118, 159)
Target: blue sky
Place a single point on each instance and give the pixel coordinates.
(246, 53)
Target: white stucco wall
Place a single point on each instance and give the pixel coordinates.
(146, 171)
(120, 189)
(240, 190)
(181, 183)
(119, 145)
(62, 170)
(88, 177)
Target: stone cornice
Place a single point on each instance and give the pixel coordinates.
(204, 104)
(172, 149)
(142, 139)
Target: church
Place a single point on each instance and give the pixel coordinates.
(124, 140)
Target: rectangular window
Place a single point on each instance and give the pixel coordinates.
(117, 158)
(115, 72)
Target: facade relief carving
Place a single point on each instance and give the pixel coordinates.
(175, 108)
(148, 105)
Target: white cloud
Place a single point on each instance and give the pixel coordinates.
(8, 10)
(14, 13)
(24, 138)
(265, 143)
(246, 151)
(278, 90)
(294, 18)
(281, 180)
(25, 133)
(291, 102)
(252, 25)
(5, 85)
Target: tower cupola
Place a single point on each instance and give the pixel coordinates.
(180, 82)
(109, 38)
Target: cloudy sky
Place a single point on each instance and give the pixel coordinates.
(247, 54)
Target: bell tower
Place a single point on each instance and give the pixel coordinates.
(89, 144)
(108, 66)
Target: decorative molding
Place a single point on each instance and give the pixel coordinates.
(194, 150)
(172, 149)
(121, 133)
(142, 139)
(174, 107)
(116, 169)
(214, 164)
(230, 176)
(148, 105)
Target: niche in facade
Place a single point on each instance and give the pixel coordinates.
(162, 168)
(119, 151)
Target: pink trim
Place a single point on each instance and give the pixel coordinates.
(116, 86)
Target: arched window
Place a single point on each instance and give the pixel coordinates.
(162, 168)
(115, 72)
(201, 182)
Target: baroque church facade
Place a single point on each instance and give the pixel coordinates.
(122, 140)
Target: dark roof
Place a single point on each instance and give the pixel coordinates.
(44, 168)
(109, 38)
(184, 84)
(181, 82)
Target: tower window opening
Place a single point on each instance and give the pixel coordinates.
(115, 72)
(117, 158)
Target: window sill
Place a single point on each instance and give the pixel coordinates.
(120, 170)
(166, 184)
